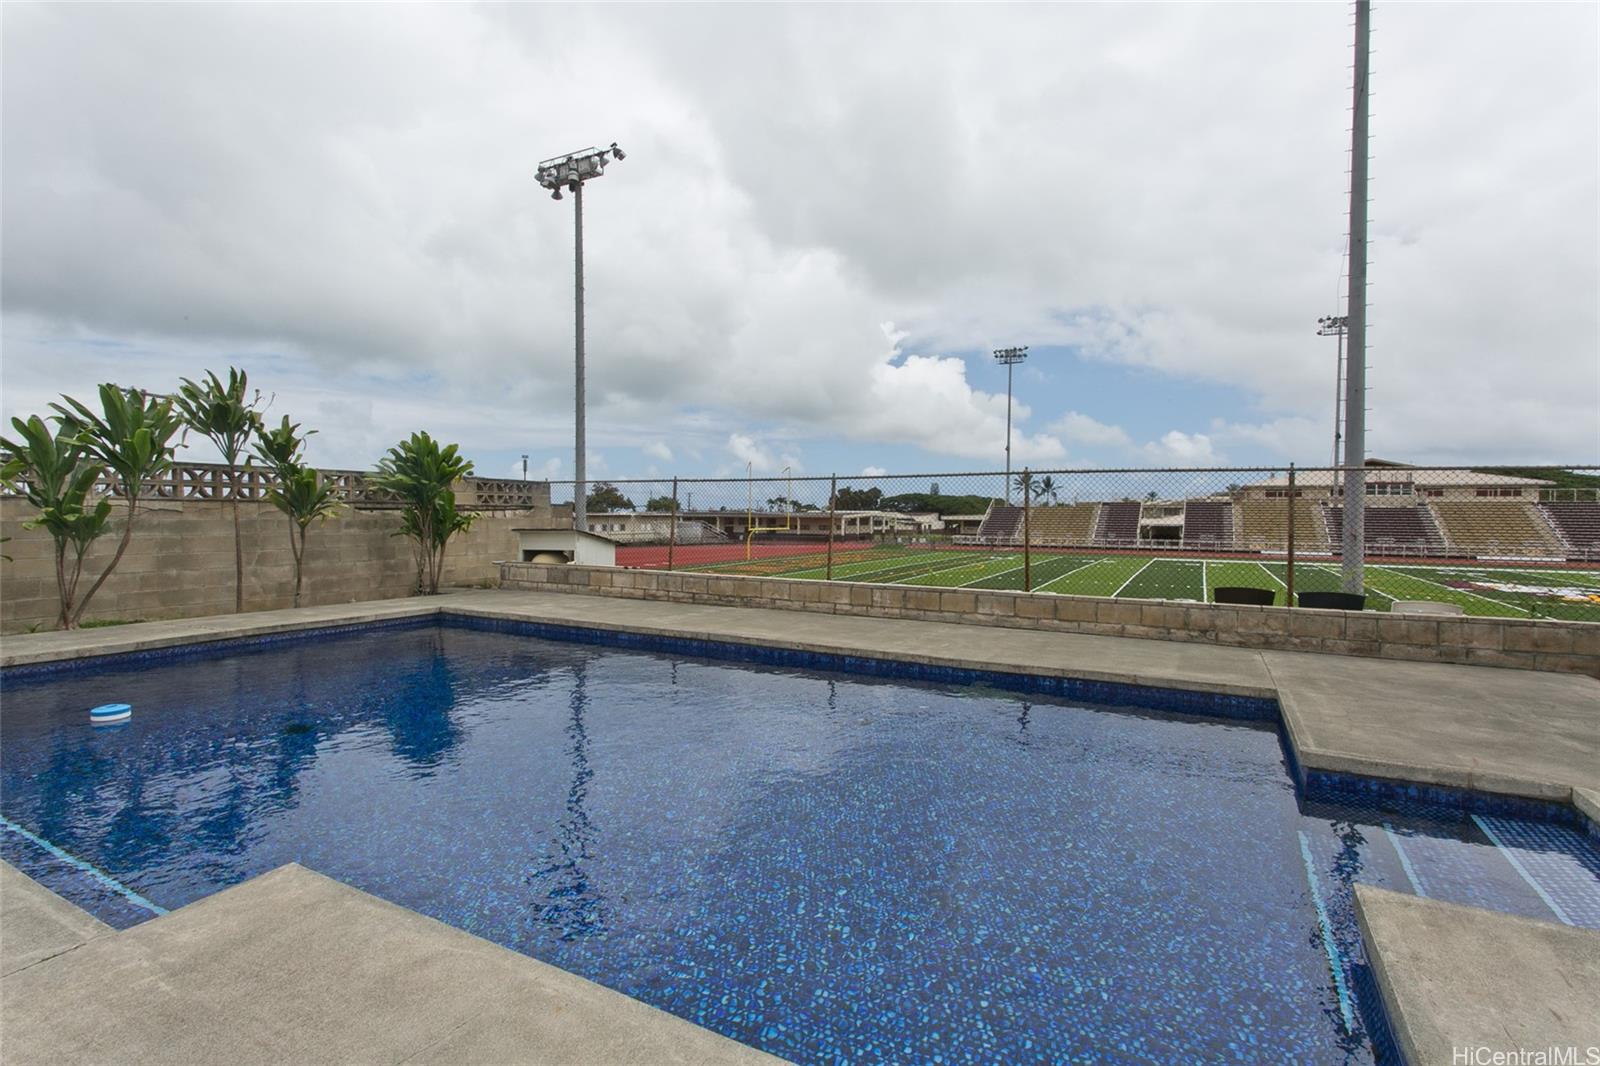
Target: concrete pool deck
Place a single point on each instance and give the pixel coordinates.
(295, 967)
(1509, 732)
(1456, 978)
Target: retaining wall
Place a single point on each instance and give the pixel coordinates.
(1519, 643)
(180, 561)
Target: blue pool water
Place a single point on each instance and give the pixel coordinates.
(834, 868)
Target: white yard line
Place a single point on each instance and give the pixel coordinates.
(1273, 576)
(1073, 573)
(986, 577)
(1205, 583)
(914, 578)
(1136, 573)
(1502, 604)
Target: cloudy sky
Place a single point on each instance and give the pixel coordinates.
(827, 218)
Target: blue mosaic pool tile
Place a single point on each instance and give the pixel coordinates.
(1334, 786)
(1103, 693)
(206, 649)
(1559, 863)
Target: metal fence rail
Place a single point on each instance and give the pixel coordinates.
(1517, 542)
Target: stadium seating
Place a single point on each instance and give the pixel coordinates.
(1207, 524)
(1118, 523)
(1495, 528)
(1400, 530)
(1264, 525)
(1064, 525)
(1002, 525)
(1578, 524)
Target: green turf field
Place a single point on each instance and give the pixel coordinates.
(1522, 592)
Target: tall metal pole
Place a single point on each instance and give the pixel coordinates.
(1010, 357)
(1288, 584)
(580, 501)
(833, 518)
(1338, 399)
(1027, 533)
(1009, 368)
(672, 526)
(1355, 396)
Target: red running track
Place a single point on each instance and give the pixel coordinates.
(654, 556)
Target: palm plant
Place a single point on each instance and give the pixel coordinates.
(1023, 483)
(302, 495)
(51, 472)
(299, 491)
(132, 439)
(1046, 490)
(419, 472)
(225, 415)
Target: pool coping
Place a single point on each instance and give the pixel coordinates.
(293, 966)
(1320, 769)
(1453, 977)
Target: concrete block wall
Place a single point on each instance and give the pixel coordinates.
(1527, 644)
(180, 561)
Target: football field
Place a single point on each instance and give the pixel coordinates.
(1519, 591)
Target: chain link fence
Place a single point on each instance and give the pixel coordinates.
(1515, 542)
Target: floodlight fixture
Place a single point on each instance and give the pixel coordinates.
(1009, 358)
(1336, 326)
(567, 173)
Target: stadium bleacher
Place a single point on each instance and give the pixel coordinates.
(1001, 525)
(1264, 524)
(1578, 523)
(1207, 524)
(1408, 530)
(1063, 525)
(1503, 529)
(1118, 523)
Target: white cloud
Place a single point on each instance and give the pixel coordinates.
(873, 471)
(658, 450)
(1082, 429)
(751, 452)
(327, 193)
(1183, 449)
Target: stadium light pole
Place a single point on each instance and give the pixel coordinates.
(1336, 326)
(1009, 358)
(1354, 543)
(569, 172)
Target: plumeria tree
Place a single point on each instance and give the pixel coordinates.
(225, 414)
(131, 437)
(52, 472)
(420, 472)
(299, 491)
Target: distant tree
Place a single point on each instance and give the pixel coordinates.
(1023, 483)
(660, 504)
(1151, 495)
(930, 503)
(848, 499)
(226, 416)
(1046, 491)
(607, 497)
(784, 503)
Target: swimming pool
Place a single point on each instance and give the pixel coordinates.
(829, 866)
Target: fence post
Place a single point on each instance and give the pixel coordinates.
(1027, 537)
(672, 526)
(833, 508)
(1288, 584)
